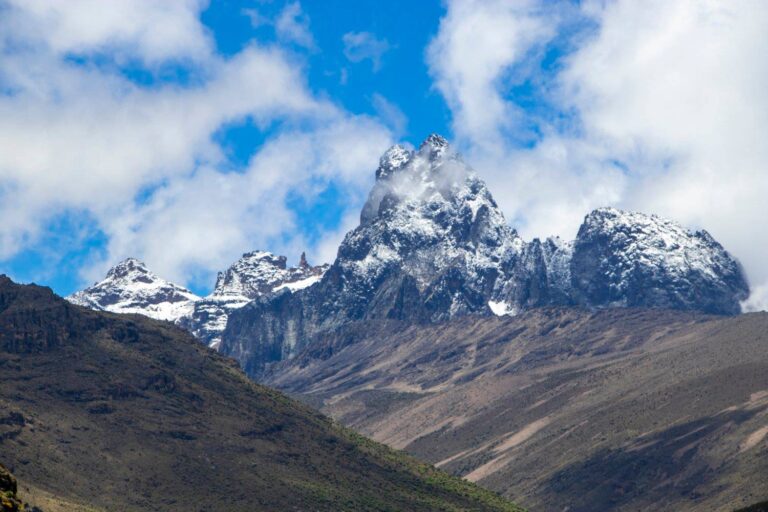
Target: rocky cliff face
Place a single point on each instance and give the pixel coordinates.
(432, 244)
(255, 274)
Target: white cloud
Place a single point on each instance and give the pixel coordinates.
(390, 114)
(758, 300)
(476, 45)
(89, 140)
(292, 25)
(83, 138)
(360, 46)
(226, 214)
(256, 18)
(151, 30)
(670, 104)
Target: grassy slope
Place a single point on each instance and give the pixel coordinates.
(124, 413)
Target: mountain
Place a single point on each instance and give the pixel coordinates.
(114, 412)
(130, 287)
(433, 245)
(255, 274)
(630, 259)
(616, 409)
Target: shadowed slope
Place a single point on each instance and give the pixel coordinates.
(126, 413)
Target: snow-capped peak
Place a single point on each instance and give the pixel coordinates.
(130, 287)
(393, 159)
(429, 216)
(661, 241)
(130, 267)
(254, 274)
(432, 244)
(434, 144)
(630, 258)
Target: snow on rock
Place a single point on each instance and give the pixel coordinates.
(428, 216)
(130, 287)
(254, 275)
(299, 285)
(633, 259)
(432, 244)
(501, 308)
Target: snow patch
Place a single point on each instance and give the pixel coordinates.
(299, 285)
(500, 308)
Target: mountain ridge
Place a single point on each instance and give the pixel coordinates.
(130, 287)
(432, 245)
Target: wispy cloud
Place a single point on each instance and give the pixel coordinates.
(390, 114)
(292, 25)
(360, 46)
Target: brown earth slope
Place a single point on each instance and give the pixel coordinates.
(104, 412)
(564, 409)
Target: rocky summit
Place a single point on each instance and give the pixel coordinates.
(631, 259)
(130, 287)
(255, 274)
(432, 244)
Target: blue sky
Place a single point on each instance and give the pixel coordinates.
(186, 132)
(402, 77)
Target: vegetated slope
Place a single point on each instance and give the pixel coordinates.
(9, 498)
(125, 413)
(619, 409)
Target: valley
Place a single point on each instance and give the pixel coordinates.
(563, 409)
